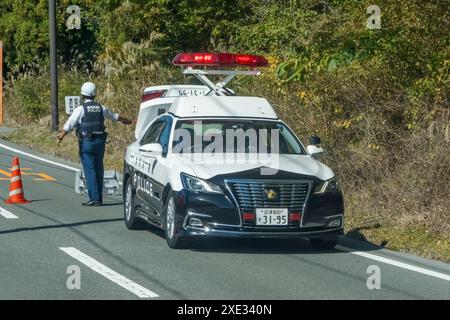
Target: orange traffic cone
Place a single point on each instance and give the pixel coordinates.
(16, 195)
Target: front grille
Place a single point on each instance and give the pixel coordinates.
(253, 194)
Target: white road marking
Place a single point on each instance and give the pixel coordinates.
(399, 264)
(38, 158)
(108, 273)
(8, 215)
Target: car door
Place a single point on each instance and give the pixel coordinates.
(162, 165)
(156, 168)
(148, 190)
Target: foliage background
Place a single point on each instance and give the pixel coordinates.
(378, 98)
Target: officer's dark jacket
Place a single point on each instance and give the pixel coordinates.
(93, 121)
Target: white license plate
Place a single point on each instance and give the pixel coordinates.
(271, 217)
(191, 92)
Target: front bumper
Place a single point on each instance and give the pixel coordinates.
(221, 217)
(193, 232)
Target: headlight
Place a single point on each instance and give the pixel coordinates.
(195, 184)
(330, 185)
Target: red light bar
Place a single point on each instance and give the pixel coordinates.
(219, 59)
(204, 59)
(149, 95)
(250, 60)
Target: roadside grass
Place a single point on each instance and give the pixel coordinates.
(416, 240)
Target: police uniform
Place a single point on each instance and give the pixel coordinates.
(89, 120)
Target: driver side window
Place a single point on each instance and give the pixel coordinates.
(153, 133)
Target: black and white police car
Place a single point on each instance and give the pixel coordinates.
(207, 162)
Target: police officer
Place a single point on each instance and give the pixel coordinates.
(88, 119)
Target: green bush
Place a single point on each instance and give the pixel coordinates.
(31, 96)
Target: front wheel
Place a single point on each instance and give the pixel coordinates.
(323, 244)
(170, 224)
(131, 220)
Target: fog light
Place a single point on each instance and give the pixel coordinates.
(195, 222)
(334, 223)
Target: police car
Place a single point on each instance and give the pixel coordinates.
(209, 163)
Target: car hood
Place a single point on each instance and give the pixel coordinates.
(297, 164)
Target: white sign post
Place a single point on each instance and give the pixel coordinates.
(71, 103)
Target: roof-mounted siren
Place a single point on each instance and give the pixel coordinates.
(220, 64)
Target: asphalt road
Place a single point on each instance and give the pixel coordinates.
(54, 233)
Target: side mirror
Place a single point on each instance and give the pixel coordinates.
(151, 149)
(314, 148)
(315, 151)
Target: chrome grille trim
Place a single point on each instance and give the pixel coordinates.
(248, 194)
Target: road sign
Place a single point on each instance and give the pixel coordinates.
(71, 103)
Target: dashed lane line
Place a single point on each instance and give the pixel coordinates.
(8, 215)
(108, 273)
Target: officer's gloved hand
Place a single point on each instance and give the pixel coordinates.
(61, 136)
(126, 121)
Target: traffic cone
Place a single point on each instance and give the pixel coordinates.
(16, 195)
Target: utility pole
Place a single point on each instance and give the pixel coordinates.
(53, 64)
(1, 83)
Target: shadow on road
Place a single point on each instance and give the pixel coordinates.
(256, 246)
(56, 226)
(39, 200)
(112, 204)
(270, 246)
(274, 246)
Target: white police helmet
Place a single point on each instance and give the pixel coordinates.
(88, 89)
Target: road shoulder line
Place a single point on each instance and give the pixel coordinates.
(399, 264)
(64, 166)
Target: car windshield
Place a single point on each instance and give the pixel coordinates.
(234, 136)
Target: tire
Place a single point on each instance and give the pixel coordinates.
(171, 221)
(129, 211)
(323, 244)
